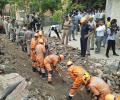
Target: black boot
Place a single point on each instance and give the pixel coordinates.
(115, 54)
(34, 69)
(40, 73)
(43, 75)
(107, 55)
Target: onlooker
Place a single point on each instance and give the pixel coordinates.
(74, 25)
(21, 40)
(100, 30)
(90, 43)
(112, 31)
(55, 29)
(108, 22)
(85, 28)
(27, 38)
(66, 27)
(12, 31)
(5, 23)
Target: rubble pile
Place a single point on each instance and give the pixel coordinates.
(13, 86)
(107, 69)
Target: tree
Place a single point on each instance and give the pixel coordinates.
(91, 3)
(2, 5)
(49, 5)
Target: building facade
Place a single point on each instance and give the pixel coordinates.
(113, 9)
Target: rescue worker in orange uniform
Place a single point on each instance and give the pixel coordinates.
(50, 63)
(40, 55)
(79, 75)
(98, 87)
(33, 44)
(112, 97)
(40, 34)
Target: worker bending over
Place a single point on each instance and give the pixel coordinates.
(78, 75)
(50, 63)
(98, 87)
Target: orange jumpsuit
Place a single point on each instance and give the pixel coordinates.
(48, 62)
(45, 43)
(44, 39)
(77, 75)
(99, 87)
(40, 54)
(33, 54)
(117, 98)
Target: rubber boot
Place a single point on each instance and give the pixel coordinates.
(50, 77)
(34, 69)
(43, 75)
(40, 73)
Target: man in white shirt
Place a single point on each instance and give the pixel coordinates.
(100, 30)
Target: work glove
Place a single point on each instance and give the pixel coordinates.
(88, 91)
(46, 46)
(68, 97)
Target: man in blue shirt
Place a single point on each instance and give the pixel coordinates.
(85, 28)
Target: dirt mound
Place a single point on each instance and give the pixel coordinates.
(39, 88)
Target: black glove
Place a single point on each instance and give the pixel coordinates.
(68, 97)
(88, 91)
(46, 46)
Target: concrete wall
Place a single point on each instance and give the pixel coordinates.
(113, 9)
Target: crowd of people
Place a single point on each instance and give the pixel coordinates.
(94, 31)
(44, 62)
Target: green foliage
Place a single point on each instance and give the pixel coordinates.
(49, 4)
(99, 3)
(3, 3)
(78, 6)
(84, 4)
(57, 16)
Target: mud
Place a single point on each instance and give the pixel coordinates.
(38, 87)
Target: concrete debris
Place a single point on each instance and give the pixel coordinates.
(108, 69)
(13, 87)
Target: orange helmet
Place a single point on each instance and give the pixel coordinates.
(61, 57)
(40, 33)
(41, 41)
(109, 97)
(36, 35)
(83, 19)
(69, 63)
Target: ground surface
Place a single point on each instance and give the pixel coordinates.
(76, 44)
(38, 87)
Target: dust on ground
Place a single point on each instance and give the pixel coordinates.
(38, 87)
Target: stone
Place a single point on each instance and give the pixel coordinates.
(7, 69)
(100, 73)
(98, 65)
(19, 92)
(113, 65)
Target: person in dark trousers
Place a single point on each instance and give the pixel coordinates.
(54, 28)
(85, 28)
(112, 31)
